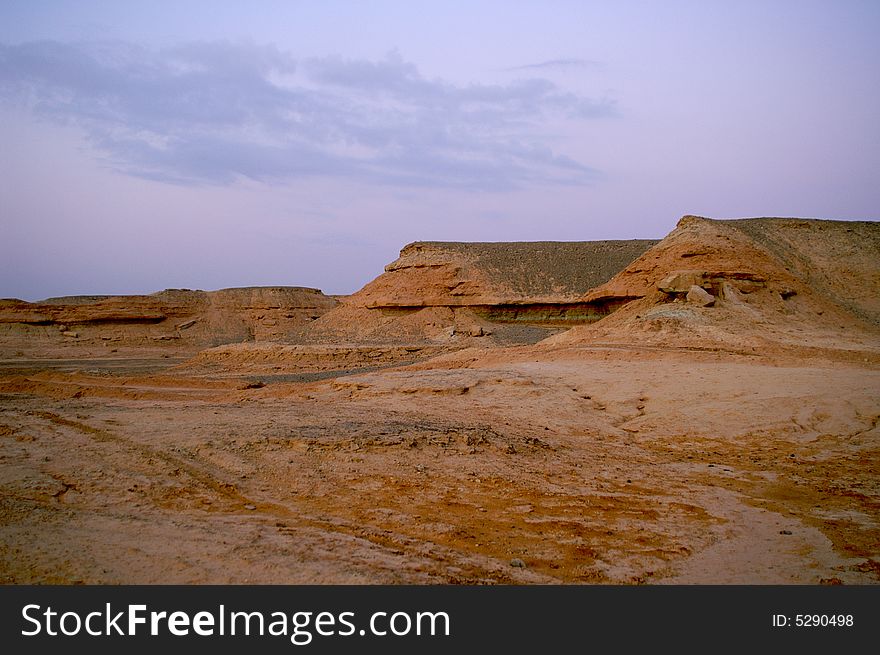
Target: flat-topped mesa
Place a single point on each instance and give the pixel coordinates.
(184, 316)
(518, 281)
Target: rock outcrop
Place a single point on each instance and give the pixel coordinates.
(512, 292)
(175, 316)
(745, 283)
(438, 274)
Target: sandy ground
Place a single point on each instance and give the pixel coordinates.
(583, 464)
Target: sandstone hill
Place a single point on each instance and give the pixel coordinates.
(177, 317)
(748, 284)
(744, 285)
(438, 297)
(437, 274)
(438, 291)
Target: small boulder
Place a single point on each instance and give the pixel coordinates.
(681, 281)
(698, 296)
(71, 334)
(749, 286)
(729, 293)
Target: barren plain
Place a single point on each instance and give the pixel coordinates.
(699, 409)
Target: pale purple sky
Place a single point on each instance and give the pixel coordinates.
(214, 144)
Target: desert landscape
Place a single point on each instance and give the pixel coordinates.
(698, 409)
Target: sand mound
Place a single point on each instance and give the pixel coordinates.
(748, 284)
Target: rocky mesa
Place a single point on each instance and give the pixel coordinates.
(514, 291)
(175, 317)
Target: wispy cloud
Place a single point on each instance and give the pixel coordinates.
(557, 64)
(210, 113)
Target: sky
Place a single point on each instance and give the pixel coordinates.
(217, 144)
